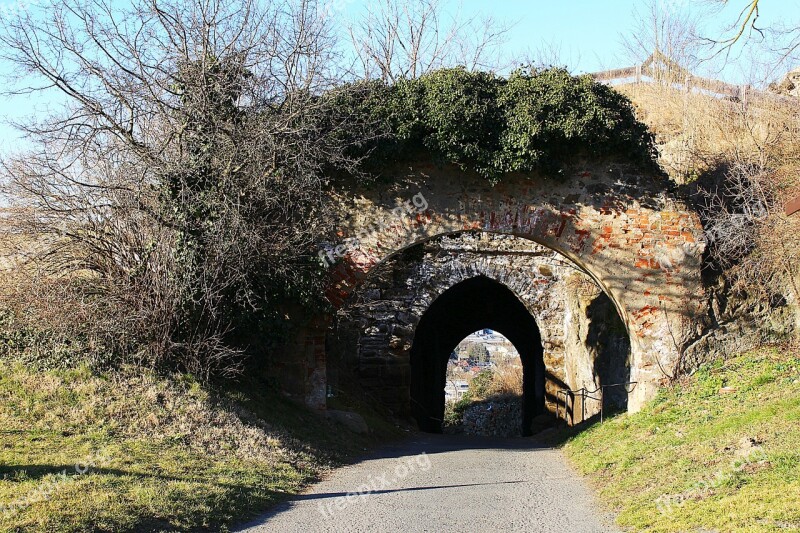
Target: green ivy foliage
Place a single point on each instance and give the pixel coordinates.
(534, 120)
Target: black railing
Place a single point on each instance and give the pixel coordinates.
(585, 394)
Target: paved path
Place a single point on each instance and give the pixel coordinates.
(460, 484)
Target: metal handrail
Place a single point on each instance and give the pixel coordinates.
(584, 393)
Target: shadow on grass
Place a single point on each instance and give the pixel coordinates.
(33, 472)
(228, 506)
(556, 437)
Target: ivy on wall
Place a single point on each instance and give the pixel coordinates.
(534, 120)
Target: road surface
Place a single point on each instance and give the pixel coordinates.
(442, 483)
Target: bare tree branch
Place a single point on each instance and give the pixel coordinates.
(395, 39)
(178, 192)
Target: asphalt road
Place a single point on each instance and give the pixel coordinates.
(440, 483)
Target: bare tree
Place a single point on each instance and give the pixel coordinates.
(396, 39)
(178, 190)
(672, 33)
(774, 45)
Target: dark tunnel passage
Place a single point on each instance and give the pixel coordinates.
(609, 340)
(473, 304)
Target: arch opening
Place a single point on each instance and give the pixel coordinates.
(608, 340)
(474, 304)
(586, 344)
(481, 351)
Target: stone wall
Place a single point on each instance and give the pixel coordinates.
(584, 339)
(296, 358)
(629, 232)
(739, 322)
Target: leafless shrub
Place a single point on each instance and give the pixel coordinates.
(736, 212)
(750, 237)
(173, 201)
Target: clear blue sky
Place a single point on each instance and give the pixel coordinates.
(588, 33)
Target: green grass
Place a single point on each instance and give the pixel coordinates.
(698, 460)
(158, 453)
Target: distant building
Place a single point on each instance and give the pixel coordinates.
(454, 390)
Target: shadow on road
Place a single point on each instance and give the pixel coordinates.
(501, 466)
(432, 443)
(407, 489)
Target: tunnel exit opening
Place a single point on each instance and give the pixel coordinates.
(474, 304)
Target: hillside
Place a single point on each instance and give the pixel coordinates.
(719, 451)
(132, 451)
(91, 448)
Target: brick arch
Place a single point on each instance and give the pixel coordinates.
(629, 232)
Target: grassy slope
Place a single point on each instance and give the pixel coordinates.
(162, 454)
(695, 459)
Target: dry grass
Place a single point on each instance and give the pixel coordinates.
(162, 453)
(698, 133)
(165, 410)
(507, 379)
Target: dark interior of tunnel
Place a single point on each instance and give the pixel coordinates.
(609, 340)
(473, 304)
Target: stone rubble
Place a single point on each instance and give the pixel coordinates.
(494, 418)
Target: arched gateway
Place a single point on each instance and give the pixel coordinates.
(453, 316)
(627, 231)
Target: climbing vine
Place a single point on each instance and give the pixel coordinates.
(534, 120)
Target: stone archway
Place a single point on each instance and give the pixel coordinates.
(584, 342)
(474, 304)
(628, 232)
